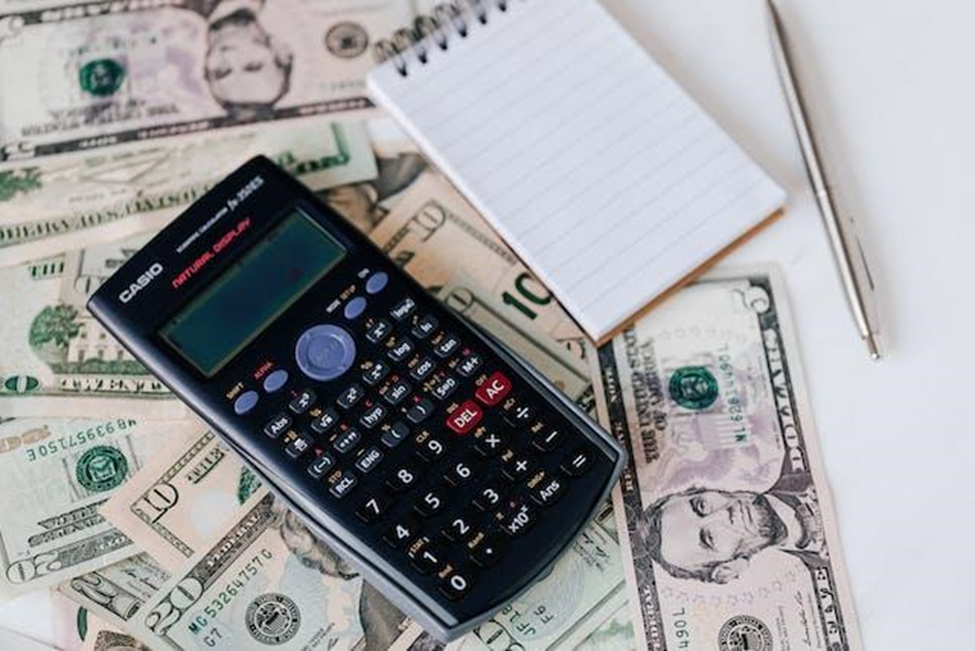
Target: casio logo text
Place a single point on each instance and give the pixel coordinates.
(141, 282)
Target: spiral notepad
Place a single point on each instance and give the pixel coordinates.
(607, 179)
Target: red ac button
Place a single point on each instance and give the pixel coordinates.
(493, 390)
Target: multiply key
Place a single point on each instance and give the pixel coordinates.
(465, 417)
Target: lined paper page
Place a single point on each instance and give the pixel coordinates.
(596, 168)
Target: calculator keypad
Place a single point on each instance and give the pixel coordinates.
(429, 442)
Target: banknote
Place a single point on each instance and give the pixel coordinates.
(265, 580)
(568, 373)
(584, 587)
(183, 496)
(432, 232)
(115, 593)
(723, 510)
(68, 202)
(57, 472)
(105, 637)
(615, 634)
(92, 75)
(55, 359)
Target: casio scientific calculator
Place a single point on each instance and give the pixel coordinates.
(445, 469)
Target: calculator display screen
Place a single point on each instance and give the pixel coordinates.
(227, 315)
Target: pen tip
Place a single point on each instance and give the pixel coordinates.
(873, 346)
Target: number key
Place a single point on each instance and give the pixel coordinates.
(403, 478)
(401, 533)
(373, 508)
(427, 558)
(458, 529)
(490, 496)
(459, 473)
(456, 585)
(429, 447)
(431, 503)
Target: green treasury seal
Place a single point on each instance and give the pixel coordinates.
(101, 77)
(693, 387)
(101, 469)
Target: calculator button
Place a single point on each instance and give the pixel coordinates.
(369, 459)
(320, 466)
(548, 440)
(469, 365)
(372, 416)
(397, 392)
(302, 402)
(377, 282)
(490, 496)
(245, 402)
(347, 440)
(298, 446)
(458, 529)
(324, 352)
(275, 380)
(494, 389)
(403, 309)
(459, 473)
(420, 411)
(375, 373)
(465, 417)
(403, 478)
(342, 484)
(427, 558)
(354, 308)
(431, 503)
(378, 330)
(519, 520)
(456, 585)
(325, 422)
(401, 533)
(429, 447)
(447, 346)
(373, 508)
(350, 396)
(395, 435)
(491, 443)
(425, 327)
(401, 350)
(577, 463)
(519, 415)
(519, 467)
(548, 491)
(277, 425)
(445, 387)
(488, 552)
(423, 369)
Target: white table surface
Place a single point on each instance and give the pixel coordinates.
(892, 96)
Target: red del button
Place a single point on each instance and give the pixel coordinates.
(494, 390)
(465, 417)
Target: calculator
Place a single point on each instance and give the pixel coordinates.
(444, 468)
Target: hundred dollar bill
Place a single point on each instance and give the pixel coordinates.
(183, 496)
(115, 593)
(91, 75)
(432, 232)
(723, 509)
(265, 580)
(57, 472)
(68, 202)
(55, 359)
(583, 588)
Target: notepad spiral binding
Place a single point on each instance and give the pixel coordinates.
(446, 19)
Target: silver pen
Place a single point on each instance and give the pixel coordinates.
(847, 251)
